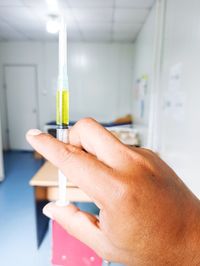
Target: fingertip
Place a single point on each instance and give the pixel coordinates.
(33, 132)
(48, 210)
(54, 211)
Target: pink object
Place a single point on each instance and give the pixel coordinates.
(68, 251)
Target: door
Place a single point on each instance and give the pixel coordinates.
(21, 96)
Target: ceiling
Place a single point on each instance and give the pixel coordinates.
(88, 20)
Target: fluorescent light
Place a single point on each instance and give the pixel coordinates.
(52, 24)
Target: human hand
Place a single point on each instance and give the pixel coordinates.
(147, 215)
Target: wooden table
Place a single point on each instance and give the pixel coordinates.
(45, 183)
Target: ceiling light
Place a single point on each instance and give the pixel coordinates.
(52, 24)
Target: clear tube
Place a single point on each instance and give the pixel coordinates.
(62, 105)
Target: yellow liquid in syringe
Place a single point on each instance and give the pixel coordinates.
(62, 107)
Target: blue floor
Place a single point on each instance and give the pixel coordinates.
(17, 214)
(18, 244)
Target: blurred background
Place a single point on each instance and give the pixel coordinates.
(133, 65)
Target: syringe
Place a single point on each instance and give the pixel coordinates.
(62, 105)
(62, 108)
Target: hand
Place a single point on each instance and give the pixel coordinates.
(147, 215)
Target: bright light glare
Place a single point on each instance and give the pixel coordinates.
(52, 25)
(52, 5)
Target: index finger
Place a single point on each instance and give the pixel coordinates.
(81, 168)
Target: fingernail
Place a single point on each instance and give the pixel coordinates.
(47, 210)
(34, 132)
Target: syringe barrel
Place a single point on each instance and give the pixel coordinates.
(62, 107)
(62, 135)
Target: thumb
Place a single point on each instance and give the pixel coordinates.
(70, 218)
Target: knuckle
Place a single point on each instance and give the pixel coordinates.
(135, 154)
(121, 192)
(150, 152)
(127, 192)
(140, 159)
(85, 121)
(65, 154)
(126, 189)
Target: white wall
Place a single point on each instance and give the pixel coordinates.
(100, 78)
(143, 65)
(179, 129)
(180, 143)
(1, 156)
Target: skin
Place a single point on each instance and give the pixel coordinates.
(147, 214)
